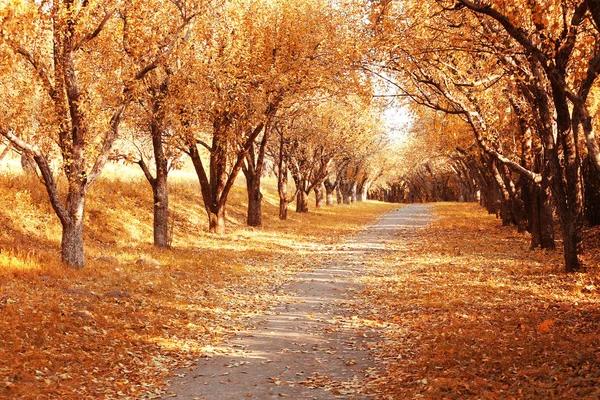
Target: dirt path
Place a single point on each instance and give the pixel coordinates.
(310, 347)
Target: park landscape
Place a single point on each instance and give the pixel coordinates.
(309, 199)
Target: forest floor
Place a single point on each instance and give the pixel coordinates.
(467, 310)
(117, 328)
(460, 309)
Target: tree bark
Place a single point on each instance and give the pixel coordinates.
(216, 221)
(72, 244)
(320, 200)
(546, 217)
(329, 191)
(160, 189)
(255, 197)
(161, 211)
(301, 202)
(253, 170)
(572, 213)
(282, 175)
(283, 209)
(72, 250)
(592, 193)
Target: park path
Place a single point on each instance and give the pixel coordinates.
(312, 346)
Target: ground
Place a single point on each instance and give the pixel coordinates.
(135, 314)
(312, 345)
(459, 309)
(469, 311)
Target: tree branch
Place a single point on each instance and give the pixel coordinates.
(47, 176)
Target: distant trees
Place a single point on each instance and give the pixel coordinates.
(314, 146)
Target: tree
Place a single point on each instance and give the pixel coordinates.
(71, 52)
(153, 119)
(461, 78)
(260, 54)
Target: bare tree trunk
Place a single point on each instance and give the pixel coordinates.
(567, 191)
(283, 209)
(72, 250)
(329, 191)
(254, 199)
(282, 177)
(301, 202)
(363, 195)
(253, 170)
(546, 216)
(216, 221)
(353, 194)
(319, 196)
(27, 164)
(161, 211)
(347, 198)
(592, 193)
(216, 185)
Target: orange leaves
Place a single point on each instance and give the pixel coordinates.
(494, 321)
(545, 326)
(117, 328)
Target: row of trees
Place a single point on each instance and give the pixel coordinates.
(521, 78)
(229, 84)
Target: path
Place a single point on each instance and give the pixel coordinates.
(311, 347)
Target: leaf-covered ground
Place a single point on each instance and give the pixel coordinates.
(469, 311)
(118, 327)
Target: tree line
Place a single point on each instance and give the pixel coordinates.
(520, 78)
(236, 86)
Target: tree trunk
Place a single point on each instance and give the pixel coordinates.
(353, 195)
(546, 217)
(319, 196)
(338, 194)
(330, 198)
(572, 215)
(72, 244)
(28, 164)
(283, 209)
(254, 200)
(216, 221)
(592, 192)
(302, 202)
(161, 211)
(347, 198)
(329, 192)
(72, 235)
(364, 190)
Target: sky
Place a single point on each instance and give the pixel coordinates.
(397, 119)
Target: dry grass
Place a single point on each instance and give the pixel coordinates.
(116, 328)
(470, 312)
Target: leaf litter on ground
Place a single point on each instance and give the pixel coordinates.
(471, 312)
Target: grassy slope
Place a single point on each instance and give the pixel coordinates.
(114, 330)
(471, 312)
